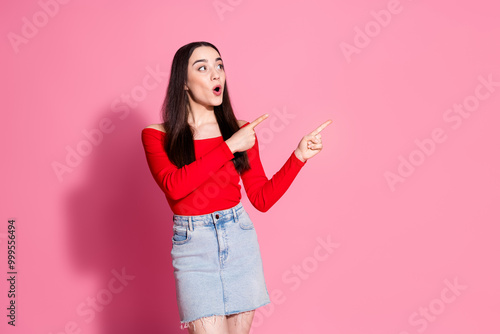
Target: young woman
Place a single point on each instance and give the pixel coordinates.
(197, 156)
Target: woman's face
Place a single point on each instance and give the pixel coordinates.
(205, 72)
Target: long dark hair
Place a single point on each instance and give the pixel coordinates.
(179, 143)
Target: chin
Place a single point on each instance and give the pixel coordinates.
(218, 102)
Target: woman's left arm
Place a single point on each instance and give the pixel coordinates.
(262, 192)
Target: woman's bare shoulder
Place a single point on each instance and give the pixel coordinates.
(241, 122)
(161, 128)
(156, 127)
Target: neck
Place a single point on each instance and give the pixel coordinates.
(199, 115)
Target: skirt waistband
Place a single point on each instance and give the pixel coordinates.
(209, 218)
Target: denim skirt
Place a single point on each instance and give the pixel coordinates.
(217, 264)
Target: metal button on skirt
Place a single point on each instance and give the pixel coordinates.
(217, 264)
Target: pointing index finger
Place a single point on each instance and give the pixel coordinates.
(258, 120)
(321, 127)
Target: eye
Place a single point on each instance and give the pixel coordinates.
(221, 66)
(201, 67)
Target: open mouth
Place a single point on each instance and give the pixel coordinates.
(217, 90)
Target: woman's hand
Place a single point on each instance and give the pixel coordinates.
(244, 138)
(311, 144)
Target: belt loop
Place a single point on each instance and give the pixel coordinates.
(190, 224)
(235, 215)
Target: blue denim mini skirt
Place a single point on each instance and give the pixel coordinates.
(217, 264)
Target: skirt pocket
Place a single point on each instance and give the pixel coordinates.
(181, 235)
(245, 222)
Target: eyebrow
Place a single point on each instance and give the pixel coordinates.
(204, 60)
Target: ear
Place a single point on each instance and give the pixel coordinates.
(186, 87)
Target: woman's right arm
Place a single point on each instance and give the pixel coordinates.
(176, 182)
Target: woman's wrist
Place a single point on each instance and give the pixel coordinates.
(228, 143)
(299, 155)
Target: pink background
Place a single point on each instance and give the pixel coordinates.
(397, 248)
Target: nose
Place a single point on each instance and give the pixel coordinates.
(215, 74)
